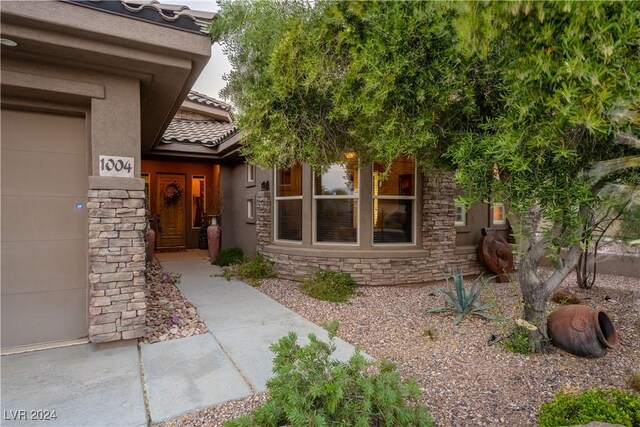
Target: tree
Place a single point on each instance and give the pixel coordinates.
(534, 103)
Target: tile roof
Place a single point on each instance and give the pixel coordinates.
(208, 101)
(177, 16)
(209, 133)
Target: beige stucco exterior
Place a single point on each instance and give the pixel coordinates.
(123, 79)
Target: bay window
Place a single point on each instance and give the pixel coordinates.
(335, 198)
(288, 204)
(394, 202)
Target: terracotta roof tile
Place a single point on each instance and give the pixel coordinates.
(174, 15)
(205, 132)
(207, 100)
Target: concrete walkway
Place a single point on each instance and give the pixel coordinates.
(105, 385)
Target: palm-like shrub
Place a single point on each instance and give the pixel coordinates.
(463, 302)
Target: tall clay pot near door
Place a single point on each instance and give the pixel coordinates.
(213, 237)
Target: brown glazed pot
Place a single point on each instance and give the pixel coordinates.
(582, 331)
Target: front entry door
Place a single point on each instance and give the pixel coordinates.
(170, 205)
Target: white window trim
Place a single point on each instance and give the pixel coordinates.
(275, 210)
(462, 223)
(251, 173)
(314, 215)
(386, 197)
(251, 209)
(504, 214)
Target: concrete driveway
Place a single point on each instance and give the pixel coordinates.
(107, 384)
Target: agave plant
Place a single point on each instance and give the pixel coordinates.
(462, 302)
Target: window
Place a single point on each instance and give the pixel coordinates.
(498, 216)
(251, 174)
(198, 202)
(394, 202)
(251, 209)
(335, 202)
(461, 215)
(288, 204)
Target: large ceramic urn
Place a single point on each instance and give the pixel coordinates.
(582, 331)
(213, 238)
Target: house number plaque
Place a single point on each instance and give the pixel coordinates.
(116, 166)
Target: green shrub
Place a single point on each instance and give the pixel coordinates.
(252, 270)
(564, 297)
(609, 406)
(462, 302)
(517, 341)
(310, 389)
(228, 256)
(329, 285)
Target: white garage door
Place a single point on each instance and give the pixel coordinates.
(44, 228)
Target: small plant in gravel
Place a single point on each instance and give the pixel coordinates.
(309, 388)
(565, 297)
(463, 302)
(517, 341)
(609, 406)
(228, 256)
(327, 285)
(430, 332)
(252, 270)
(634, 381)
(176, 278)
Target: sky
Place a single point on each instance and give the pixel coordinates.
(210, 81)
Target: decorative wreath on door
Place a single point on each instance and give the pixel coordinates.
(172, 193)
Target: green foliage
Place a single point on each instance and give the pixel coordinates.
(517, 341)
(329, 285)
(309, 388)
(228, 256)
(610, 406)
(463, 302)
(548, 91)
(253, 270)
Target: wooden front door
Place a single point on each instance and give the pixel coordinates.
(170, 206)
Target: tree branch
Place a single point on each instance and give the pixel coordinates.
(606, 167)
(560, 274)
(627, 139)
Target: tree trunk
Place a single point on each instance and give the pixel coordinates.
(535, 291)
(535, 301)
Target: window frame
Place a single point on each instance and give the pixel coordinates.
(314, 212)
(251, 210)
(503, 221)
(463, 209)
(251, 175)
(277, 198)
(204, 202)
(414, 217)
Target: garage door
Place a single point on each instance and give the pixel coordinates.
(44, 228)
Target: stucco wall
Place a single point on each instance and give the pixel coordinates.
(237, 228)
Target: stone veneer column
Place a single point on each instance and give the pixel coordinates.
(117, 309)
(263, 219)
(438, 216)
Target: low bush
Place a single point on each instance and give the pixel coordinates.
(516, 340)
(609, 406)
(252, 270)
(309, 388)
(228, 256)
(329, 285)
(565, 297)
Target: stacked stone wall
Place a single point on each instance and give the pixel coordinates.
(117, 308)
(438, 242)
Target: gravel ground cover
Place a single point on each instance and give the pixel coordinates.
(464, 381)
(169, 314)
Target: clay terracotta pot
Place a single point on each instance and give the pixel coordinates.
(150, 243)
(494, 253)
(213, 239)
(582, 331)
